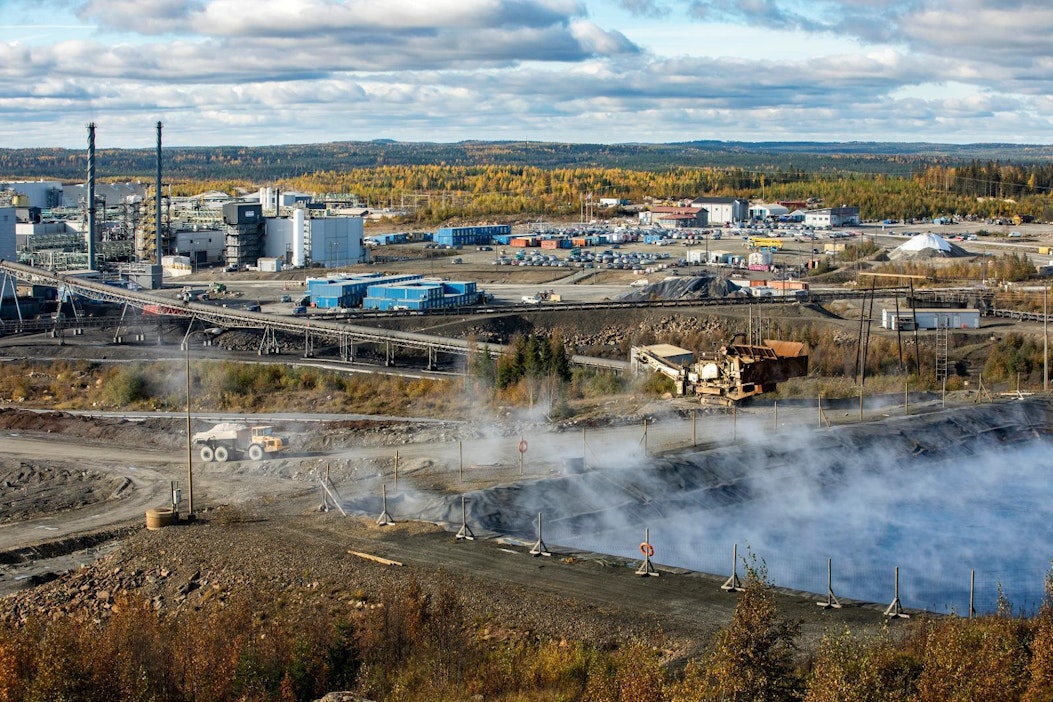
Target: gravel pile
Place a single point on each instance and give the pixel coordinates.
(702, 287)
(27, 489)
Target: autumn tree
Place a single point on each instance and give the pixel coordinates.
(750, 660)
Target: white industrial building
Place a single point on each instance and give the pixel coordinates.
(930, 318)
(723, 210)
(831, 217)
(300, 240)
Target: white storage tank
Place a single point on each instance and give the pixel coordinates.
(298, 237)
(760, 258)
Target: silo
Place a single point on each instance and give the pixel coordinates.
(298, 238)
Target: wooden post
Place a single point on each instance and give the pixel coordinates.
(396, 470)
(460, 460)
(694, 436)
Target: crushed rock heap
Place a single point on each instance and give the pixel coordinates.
(927, 246)
(700, 287)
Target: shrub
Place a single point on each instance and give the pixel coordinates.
(127, 387)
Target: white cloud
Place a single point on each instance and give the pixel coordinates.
(631, 70)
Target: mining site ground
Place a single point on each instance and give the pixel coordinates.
(75, 489)
(83, 484)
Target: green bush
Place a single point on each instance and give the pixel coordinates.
(128, 387)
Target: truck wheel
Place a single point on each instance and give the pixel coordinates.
(222, 454)
(206, 454)
(255, 452)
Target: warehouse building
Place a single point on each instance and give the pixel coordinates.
(723, 210)
(457, 237)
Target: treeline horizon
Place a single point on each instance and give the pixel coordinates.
(264, 163)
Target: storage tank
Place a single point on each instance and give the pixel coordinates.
(298, 238)
(760, 258)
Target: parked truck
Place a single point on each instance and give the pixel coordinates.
(230, 440)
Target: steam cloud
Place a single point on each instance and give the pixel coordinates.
(937, 496)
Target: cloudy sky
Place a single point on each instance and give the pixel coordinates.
(221, 72)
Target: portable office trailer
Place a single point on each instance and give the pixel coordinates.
(930, 318)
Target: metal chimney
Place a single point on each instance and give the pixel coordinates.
(91, 196)
(157, 189)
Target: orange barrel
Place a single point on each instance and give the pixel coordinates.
(158, 517)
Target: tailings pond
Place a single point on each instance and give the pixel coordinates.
(937, 495)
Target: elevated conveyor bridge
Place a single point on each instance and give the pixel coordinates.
(348, 336)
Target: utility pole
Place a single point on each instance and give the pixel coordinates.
(189, 449)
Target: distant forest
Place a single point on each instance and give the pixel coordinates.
(270, 163)
(478, 179)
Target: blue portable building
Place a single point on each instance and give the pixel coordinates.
(470, 236)
(348, 291)
(423, 294)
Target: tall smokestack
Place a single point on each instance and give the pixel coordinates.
(157, 215)
(91, 196)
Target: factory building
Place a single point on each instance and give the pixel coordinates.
(457, 237)
(302, 240)
(296, 241)
(244, 234)
(723, 210)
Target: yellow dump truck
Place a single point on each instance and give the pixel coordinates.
(230, 440)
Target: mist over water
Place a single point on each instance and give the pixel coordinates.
(937, 495)
(935, 519)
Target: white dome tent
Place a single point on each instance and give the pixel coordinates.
(928, 246)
